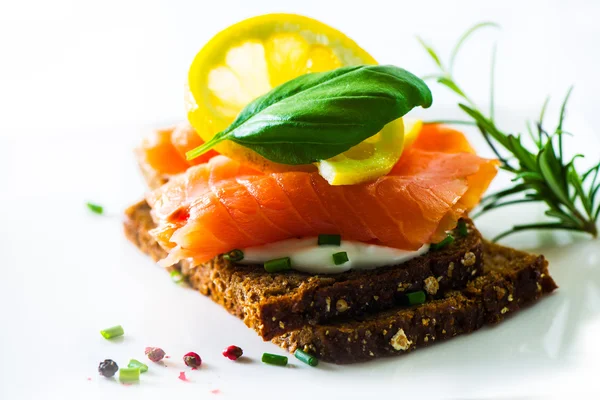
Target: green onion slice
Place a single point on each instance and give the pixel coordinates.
(306, 358)
(448, 240)
(95, 208)
(234, 255)
(274, 359)
(462, 228)
(129, 374)
(329, 240)
(278, 264)
(415, 298)
(176, 276)
(112, 332)
(340, 258)
(137, 364)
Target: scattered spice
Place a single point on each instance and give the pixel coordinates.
(176, 276)
(233, 352)
(182, 214)
(137, 364)
(415, 298)
(448, 240)
(278, 265)
(108, 368)
(306, 358)
(234, 255)
(215, 391)
(340, 258)
(129, 375)
(192, 359)
(274, 359)
(182, 376)
(112, 332)
(462, 228)
(329, 240)
(155, 354)
(95, 208)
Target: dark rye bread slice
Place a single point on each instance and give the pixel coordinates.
(273, 304)
(512, 279)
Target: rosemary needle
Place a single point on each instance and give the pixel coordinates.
(541, 172)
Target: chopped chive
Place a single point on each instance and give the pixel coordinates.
(112, 332)
(95, 208)
(176, 276)
(415, 298)
(446, 242)
(278, 264)
(137, 364)
(340, 258)
(462, 228)
(234, 255)
(274, 359)
(306, 358)
(329, 240)
(129, 374)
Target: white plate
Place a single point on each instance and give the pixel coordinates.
(67, 273)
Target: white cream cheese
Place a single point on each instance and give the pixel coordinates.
(307, 256)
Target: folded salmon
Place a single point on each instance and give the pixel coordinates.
(221, 205)
(162, 152)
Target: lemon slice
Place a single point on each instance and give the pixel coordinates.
(412, 128)
(251, 57)
(372, 158)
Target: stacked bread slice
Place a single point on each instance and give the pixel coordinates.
(360, 315)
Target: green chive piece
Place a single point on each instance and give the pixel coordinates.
(176, 276)
(306, 358)
(462, 228)
(234, 255)
(133, 363)
(329, 240)
(274, 359)
(340, 258)
(278, 264)
(129, 374)
(448, 240)
(415, 298)
(95, 208)
(112, 332)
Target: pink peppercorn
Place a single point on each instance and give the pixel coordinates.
(233, 352)
(155, 353)
(192, 359)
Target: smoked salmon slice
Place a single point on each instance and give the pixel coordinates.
(221, 205)
(163, 150)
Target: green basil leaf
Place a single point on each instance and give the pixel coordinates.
(320, 115)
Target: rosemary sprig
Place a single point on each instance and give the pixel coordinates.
(541, 175)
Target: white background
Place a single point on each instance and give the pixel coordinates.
(80, 81)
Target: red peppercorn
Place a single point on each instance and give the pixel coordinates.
(233, 352)
(155, 353)
(192, 359)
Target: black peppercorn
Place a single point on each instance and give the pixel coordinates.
(108, 368)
